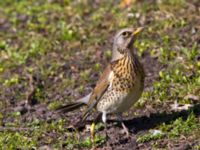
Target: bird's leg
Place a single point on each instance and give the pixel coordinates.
(123, 125)
(104, 121)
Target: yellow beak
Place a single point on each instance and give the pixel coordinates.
(138, 30)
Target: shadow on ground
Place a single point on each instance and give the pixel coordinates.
(154, 119)
(145, 122)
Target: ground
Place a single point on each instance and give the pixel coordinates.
(52, 52)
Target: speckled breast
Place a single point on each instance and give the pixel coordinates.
(126, 86)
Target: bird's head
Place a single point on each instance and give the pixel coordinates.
(124, 39)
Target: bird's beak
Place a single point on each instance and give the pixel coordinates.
(138, 30)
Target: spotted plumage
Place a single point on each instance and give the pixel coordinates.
(121, 83)
(126, 85)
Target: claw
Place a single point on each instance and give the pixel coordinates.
(125, 130)
(123, 125)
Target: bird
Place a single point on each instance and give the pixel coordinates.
(121, 83)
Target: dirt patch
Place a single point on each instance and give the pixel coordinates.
(56, 52)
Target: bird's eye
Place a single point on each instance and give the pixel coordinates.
(126, 34)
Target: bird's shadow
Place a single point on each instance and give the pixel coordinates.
(155, 119)
(148, 122)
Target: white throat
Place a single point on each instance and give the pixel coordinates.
(116, 55)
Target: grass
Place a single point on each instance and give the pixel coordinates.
(64, 46)
(173, 130)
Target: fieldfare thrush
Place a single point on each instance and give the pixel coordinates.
(120, 85)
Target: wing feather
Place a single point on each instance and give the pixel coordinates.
(99, 90)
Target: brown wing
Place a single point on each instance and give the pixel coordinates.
(101, 85)
(100, 88)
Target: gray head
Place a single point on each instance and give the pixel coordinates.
(123, 41)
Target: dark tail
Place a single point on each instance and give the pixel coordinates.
(70, 107)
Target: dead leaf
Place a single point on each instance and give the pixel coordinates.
(126, 3)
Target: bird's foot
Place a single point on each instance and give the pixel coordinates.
(125, 130)
(127, 134)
